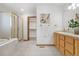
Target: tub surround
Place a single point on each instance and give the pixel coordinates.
(67, 43)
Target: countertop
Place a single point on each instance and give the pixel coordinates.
(69, 34)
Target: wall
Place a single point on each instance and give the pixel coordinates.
(68, 15)
(5, 28)
(5, 21)
(4, 8)
(45, 33)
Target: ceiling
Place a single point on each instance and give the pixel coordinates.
(29, 8)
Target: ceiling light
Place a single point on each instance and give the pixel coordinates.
(69, 7)
(22, 9)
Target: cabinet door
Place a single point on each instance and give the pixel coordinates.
(69, 44)
(62, 37)
(62, 50)
(69, 48)
(61, 43)
(77, 47)
(67, 53)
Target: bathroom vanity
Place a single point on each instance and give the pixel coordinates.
(67, 43)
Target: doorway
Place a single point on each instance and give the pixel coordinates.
(31, 28)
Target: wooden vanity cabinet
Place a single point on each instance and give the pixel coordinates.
(67, 45)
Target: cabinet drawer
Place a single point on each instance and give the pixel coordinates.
(76, 43)
(61, 37)
(62, 50)
(62, 43)
(69, 48)
(69, 39)
(67, 53)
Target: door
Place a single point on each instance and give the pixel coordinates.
(31, 27)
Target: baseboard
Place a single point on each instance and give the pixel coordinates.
(45, 44)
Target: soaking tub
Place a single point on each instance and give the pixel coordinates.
(8, 46)
(6, 41)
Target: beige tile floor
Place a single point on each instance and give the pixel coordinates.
(28, 48)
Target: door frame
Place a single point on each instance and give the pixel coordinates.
(15, 18)
(28, 25)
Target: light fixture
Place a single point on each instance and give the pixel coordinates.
(22, 9)
(69, 7)
(72, 6)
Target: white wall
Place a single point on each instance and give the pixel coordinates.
(5, 28)
(68, 15)
(45, 33)
(4, 8)
(5, 21)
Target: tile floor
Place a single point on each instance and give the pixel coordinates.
(28, 48)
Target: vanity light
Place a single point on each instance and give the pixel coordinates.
(72, 6)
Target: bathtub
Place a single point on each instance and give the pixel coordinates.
(8, 46)
(7, 41)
